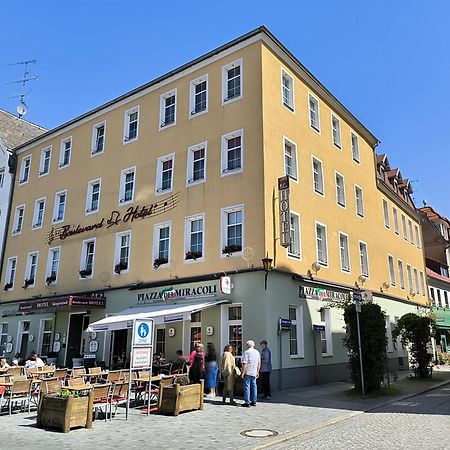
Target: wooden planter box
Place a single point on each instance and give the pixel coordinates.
(176, 399)
(65, 413)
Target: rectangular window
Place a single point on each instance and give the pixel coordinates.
(161, 244)
(363, 258)
(87, 259)
(196, 164)
(38, 215)
(390, 343)
(401, 275)
(314, 117)
(11, 273)
(160, 347)
(2, 176)
(98, 138)
(65, 152)
(164, 173)
(290, 159)
(355, 147)
(386, 214)
(321, 244)
(340, 189)
(25, 170)
(317, 176)
(54, 255)
(194, 237)
(391, 269)
(446, 304)
(359, 200)
(18, 219)
(439, 299)
(3, 337)
(294, 248)
(199, 95)
(46, 337)
(195, 330)
(59, 208)
(417, 236)
(344, 252)
(416, 281)
(296, 342)
(127, 181)
(232, 81)
(287, 90)
(326, 336)
(410, 280)
(93, 196)
(131, 125)
(232, 230)
(168, 113)
(44, 164)
(395, 216)
(405, 233)
(336, 128)
(232, 315)
(411, 235)
(422, 283)
(31, 269)
(122, 252)
(232, 152)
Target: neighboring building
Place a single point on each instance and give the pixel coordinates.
(436, 234)
(149, 199)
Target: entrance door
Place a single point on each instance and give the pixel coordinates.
(24, 339)
(75, 348)
(443, 343)
(118, 353)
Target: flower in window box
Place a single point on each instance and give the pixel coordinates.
(8, 286)
(85, 273)
(121, 266)
(193, 255)
(51, 279)
(159, 262)
(228, 249)
(28, 282)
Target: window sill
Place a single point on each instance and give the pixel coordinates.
(327, 355)
(193, 183)
(165, 127)
(226, 173)
(128, 141)
(164, 191)
(296, 357)
(227, 101)
(289, 107)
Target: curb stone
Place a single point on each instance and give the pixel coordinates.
(281, 438)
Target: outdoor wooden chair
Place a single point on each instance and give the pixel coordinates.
(15, 371)
(50, 386)
(78, 372)
(61, 374)
(20, 390)
(119, 396)
(102, 398)
(114, 376)
(19, 377)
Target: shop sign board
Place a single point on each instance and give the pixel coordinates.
(284, 324)
(322, 294)
(285, 211)
(62, 302)
(318, 327)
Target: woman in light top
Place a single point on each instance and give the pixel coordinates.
(227, 369)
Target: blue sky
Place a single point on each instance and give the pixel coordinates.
(387, 61)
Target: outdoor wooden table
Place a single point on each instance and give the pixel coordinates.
(79, 387)
(96, 375)
(38, 372)
(145, 377)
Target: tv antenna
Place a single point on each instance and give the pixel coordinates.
(26, 78)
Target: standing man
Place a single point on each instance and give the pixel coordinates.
(251, 363)
(266, 368)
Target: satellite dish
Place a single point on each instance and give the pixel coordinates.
(248, 254)
(21, 109)
(104, 277)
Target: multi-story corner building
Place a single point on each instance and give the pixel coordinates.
(149, 200)
(436, 234)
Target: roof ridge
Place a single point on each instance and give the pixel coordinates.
(24, 120)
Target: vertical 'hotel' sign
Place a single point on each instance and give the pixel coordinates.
(285, 211)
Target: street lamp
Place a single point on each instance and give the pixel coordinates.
(267, 264)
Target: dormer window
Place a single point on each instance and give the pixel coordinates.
(381, 170)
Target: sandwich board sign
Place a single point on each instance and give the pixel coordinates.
(143, 332)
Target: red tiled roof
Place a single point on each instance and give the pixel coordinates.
(432, 214)
(437, 276)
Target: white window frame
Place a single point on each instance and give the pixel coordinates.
(11, 278)
(328, 332)
(25, 168)
(224, 229)
(336, 136)
(355, 139)
(404, 228)
(35, 225)
(42, 161)
(416, 229)
(320, 175)
(188, 236)
(28, 268)
(422, 283)
(410, 278)
(17, 215)
(89, 193)
(156, 240)
(193, 84)
(391, 268)
(224, 153)
(361, 213)
(226, 323)
(190, 163)
(290, 143)
(322, 263)
(48, 269)
(94, 142)
(225, 69)
(395, 220)
(297, 255)
(401, 273)
(390, 343)
(162, 109)
(387, 221)
(117, 249)
(126, 124)
(344, 252)
(416, 281)
(298, 323)
(317, 112)
(42, 332)
(62, 151)
(83, 258)
(361, 245)
(56, 207)
(159, 173)
(290, 104)
(123, 174)
(342, 190)
(411, 233)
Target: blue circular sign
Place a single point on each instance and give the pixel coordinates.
(143, 330)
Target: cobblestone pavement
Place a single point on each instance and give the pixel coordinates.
(417, 422)
(220, 425)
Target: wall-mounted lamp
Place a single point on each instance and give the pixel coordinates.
(360, 281)
(267, 264)
(384, 286)
(315, 267)
(411, 294)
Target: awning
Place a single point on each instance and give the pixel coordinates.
(442, 317)
(62, 303)
(160, 314)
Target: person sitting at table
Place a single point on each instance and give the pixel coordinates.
(4, 366)
(196, 364)
(34, 362)
(15, 362)
(180, 364)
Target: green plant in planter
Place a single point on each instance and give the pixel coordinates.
(64, 393)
